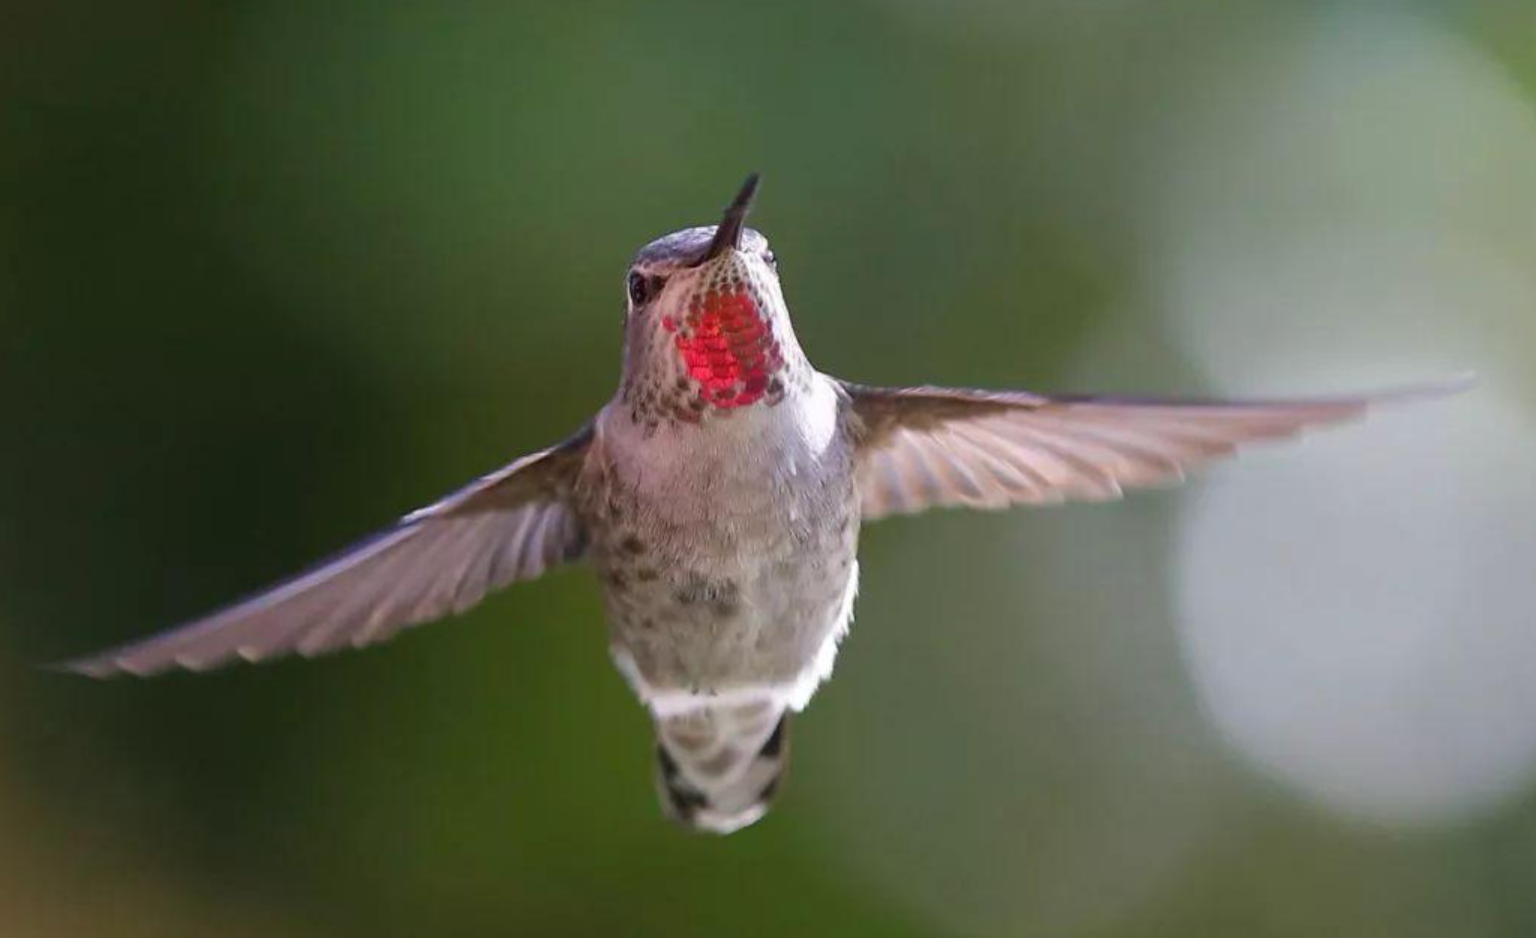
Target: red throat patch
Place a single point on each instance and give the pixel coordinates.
(727, 347)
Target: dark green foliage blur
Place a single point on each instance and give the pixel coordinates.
(272, 274)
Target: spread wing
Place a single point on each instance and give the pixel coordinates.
(926, 447)
(507, 526)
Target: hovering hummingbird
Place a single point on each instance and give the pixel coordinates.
(719, 496)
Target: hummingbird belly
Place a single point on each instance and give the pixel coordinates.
(744, 631)
(728, 565)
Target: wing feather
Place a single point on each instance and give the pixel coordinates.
(928, 446)
(507, 526)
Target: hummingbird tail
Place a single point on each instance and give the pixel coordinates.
(718, 767)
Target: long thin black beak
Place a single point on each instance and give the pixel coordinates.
(728, 235)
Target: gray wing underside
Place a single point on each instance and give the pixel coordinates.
(508, 526)
(927, 447)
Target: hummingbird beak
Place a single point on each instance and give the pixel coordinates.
(728, 235)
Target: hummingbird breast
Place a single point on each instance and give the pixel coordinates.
(726, 550)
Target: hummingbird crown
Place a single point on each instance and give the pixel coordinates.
(707, 330)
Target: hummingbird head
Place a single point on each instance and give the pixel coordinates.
(707, 333)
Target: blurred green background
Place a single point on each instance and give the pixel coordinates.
(274, 273)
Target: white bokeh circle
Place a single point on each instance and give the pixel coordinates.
(1358, 615)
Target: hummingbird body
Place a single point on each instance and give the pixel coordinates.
(719, 497)
(725, 548)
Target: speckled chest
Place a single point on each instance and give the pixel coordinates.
(726, 550)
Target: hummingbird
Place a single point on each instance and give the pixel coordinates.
(718, 496)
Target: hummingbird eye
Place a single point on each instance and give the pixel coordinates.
(642, 288)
